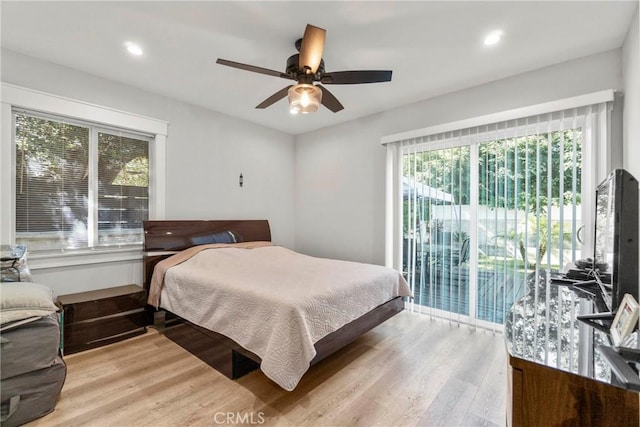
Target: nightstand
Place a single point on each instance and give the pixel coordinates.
(95, 318)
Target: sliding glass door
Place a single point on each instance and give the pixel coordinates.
(487, 214)
(436, 194)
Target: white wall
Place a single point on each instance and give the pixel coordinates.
(631, 81)
(340, 171)
(206, 152)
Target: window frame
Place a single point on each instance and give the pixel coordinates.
(41, 102)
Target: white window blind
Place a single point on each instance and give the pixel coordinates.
(478, 216)
(78, 184)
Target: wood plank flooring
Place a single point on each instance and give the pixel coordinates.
(410, 371)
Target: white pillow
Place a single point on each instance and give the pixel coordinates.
(22, 300)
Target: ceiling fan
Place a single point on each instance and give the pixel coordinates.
(307, 67)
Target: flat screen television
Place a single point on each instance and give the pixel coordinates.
(616, 234)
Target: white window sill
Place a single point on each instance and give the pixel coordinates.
(66, 259)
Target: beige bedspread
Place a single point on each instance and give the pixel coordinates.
(274, 302)
(161, 268)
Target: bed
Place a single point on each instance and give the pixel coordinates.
(244, 303)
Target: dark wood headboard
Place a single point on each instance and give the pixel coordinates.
(177, 235)
(164, 236)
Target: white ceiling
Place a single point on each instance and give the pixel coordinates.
(432, 47)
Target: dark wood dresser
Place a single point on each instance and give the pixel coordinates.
(544, 396)
(556, 375)
(95, 318)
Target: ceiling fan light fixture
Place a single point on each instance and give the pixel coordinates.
(304, 98)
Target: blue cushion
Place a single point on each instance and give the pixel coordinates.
(220, 237)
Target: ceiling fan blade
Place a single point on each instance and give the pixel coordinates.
(253, 68)
(356, 77)
(330, 101)
(311, 49)
(274, 98)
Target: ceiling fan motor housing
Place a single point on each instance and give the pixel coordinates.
(293, 70)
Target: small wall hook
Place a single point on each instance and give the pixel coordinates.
(241, 180)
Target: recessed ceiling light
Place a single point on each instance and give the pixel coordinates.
(133, 48)
(492, 38)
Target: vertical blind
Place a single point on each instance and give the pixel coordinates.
(78, 185)
(478, 217)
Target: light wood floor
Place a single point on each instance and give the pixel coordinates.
(410, 371)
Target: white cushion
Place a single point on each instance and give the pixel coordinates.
(21, 300)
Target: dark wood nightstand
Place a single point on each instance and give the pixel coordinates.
(95, 318)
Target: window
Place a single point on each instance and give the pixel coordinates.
(481, 214)
(65, 199)
(77, 179)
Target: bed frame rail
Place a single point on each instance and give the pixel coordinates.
(234, 361)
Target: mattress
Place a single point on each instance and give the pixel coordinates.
(29, 347)
(31, 395)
